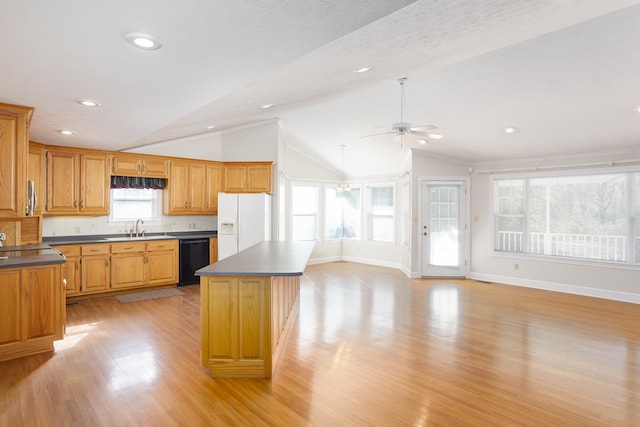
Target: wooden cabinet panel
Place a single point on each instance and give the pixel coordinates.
(71, 269)
(14, 137)
(32, 310)
(178, 191)
(213, 250)
(127, 270)
(95, 268)
(94, 184)
(77, 183)
(162, 267)
(254, 177)
(63, 182)
(197, 177)
(139, 165)
(213, 187)
(10, 312)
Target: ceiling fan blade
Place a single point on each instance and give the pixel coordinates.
(429, 135)
(427, 127)
(377, 134)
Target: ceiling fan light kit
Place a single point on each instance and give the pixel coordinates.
(402, 128)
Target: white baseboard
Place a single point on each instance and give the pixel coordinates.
(558, 287)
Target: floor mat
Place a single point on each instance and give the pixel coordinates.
(150, 294)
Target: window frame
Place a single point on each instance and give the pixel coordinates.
(157, 209)
(633, 222)
(319, 203)
(367, 212)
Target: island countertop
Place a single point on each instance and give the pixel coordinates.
(29, 256)
(271, 258)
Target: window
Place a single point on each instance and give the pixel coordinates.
(304, 210)
(342, 213)
(380, 213)
(590, 216)
(129, 204)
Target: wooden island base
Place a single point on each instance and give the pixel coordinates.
(244, 321)
(247, 302)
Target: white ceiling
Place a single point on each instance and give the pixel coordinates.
(564, 73)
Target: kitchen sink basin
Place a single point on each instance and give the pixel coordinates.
(128, 239)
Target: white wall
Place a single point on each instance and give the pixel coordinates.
(204, 147)
(605, 281)
(251, 143)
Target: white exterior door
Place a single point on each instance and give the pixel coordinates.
(443, 229)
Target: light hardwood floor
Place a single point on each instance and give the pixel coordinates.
(368, 347)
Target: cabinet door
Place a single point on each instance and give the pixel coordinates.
(197, 176)
(154, 168)
(127, 270)
(95, 184)
(14, 137)
(95, 273)
(178, 189)
(71, 273)
(214, 175)
(259, 179)
(213, 250)
(63, 181)
(234, 178)
(10, 313)
(125, 166)
(42, 292)
(36, 174)
(162, 267)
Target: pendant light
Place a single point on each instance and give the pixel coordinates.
(342, 187)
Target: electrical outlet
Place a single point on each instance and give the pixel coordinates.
(77, 230)
(516, 266)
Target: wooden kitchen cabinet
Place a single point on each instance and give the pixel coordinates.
(213, 250)
(14, 140)
(95, 268)
(213, 187)
(254, 177)
(32, 310)
(192, 187)
(138, 165)
(71, 269)
(36, 173)
(162, 262)
(77, 183)
(128, 262)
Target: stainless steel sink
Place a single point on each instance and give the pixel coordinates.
(128, 239)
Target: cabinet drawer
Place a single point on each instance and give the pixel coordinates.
(97, 249)
(72, 250)
(125, 247)
(162, 245)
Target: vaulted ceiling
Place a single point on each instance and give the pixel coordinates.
(563, 73)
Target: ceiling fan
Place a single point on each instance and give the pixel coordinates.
(403, 128)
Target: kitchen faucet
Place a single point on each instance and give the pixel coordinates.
(138, 222)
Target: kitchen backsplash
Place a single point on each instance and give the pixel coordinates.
(79, 225)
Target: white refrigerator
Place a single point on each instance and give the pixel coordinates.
(243, 221)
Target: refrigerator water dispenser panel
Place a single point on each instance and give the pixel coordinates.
(227, 228)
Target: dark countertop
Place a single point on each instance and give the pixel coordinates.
(106, 238)
(29, 255)
(264, 259)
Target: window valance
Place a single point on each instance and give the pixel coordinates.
(138, 182)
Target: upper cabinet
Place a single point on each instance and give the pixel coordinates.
(192, 188)
(138, 165)
(77, 183)
(14, 140)
(250, 177)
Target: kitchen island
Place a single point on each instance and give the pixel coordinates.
(246, 302)
(32, 303)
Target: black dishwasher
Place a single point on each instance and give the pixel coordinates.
(194, 254)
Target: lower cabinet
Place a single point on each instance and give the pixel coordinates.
(32, 310)
(104, 267)
(213, 250)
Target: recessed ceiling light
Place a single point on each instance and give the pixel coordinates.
(89, 102)
(211, 126)
(66, 132)
(265, 106)
(143, 41)
(422, 141)
(509, 130)
(637, 109)
(363, 69)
